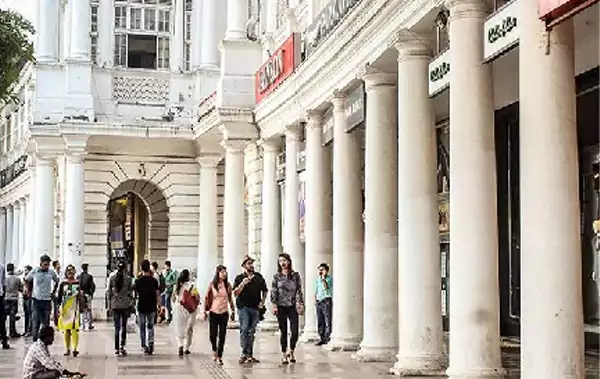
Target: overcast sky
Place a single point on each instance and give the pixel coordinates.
(26, 7)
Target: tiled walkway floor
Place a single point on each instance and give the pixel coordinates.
(98, 361)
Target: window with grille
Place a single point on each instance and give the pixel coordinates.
(187, 36)
(94, 9)
(143, 32)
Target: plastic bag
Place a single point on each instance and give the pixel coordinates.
(132, 324)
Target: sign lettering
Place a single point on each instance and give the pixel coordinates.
(326, 21)
(277, 68)
(501, 31)
(439, 73)
(271, 71)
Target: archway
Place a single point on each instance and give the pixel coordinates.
(138, 224)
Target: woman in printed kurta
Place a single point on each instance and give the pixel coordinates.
(71, 300)
(184, 319)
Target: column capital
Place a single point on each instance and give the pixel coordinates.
(3, 211)
(315, 120)
(467, 9)
(16, 205)
(411, 46)
(339, 100)
(293, 132)
(376, 78)
(209, 160)
(48, 148)
(75, 145)
(234, 146)
(271, 145)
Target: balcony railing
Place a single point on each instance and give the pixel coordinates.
(141, 87)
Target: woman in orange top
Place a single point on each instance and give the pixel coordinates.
(218, 295)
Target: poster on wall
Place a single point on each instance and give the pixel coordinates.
(302, 205)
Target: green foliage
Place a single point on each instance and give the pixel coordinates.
(15, 51)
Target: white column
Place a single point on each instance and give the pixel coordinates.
(474, 302)
(29, 257)
(47, 31)
(16, 247)
(209, 45)
(3, 235)
(176, 44)
(318, 223)
(552, 343)
(22, 232)
(237, 16)
(233, 213)
(291, 221)
(271, 19)
(74, 211)
(79, 44)
(208, 245)
(43, 228)
(270, 241)
(105, 33)
(380, 324)
(9, 234)
(347, 234)
(420, 338)
(293, 3)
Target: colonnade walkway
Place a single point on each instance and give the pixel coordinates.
(98, 361)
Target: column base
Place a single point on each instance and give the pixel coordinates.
(310, 336)
(419, 365)
(375, 354)
(343, 344)
(482, 373)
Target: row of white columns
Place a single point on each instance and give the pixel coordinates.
(47, 48)
(14, 244)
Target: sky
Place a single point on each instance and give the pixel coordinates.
(28, 8)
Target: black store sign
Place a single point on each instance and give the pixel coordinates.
(355, 114)
(13, 171)
(325, 22)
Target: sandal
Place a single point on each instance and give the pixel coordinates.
(284, 359)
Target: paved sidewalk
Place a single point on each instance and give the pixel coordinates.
(98, 361)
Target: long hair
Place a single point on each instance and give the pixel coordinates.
(69, 268)
(217, 278)
(184, 277)
(120, 275)
(287, 258)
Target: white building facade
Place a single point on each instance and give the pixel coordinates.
(185, 114)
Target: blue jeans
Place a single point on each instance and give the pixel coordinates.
(248, 318)
(166, 300)
(120, 317)
(40, 315)
(12, 308)
(146, 321)
(324, 313)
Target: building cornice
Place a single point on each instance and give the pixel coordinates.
(360, 39)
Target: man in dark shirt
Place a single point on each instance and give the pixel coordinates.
(147, 291)
(87, 285)
(250, 290)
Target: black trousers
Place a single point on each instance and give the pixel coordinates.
(3, 336)
(53, 374)
(324, 312)
(120, 317)
(217, 331)
(283, 315)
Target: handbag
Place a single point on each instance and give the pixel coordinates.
(189, 301)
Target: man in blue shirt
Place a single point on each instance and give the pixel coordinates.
(41, 283)
(323, 296)
(3, 336)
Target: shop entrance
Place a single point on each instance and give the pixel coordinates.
(137, 225)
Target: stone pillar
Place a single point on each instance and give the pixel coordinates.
(233, 213)
(209, 54)
(9, 234)
(47, 31)
(291, 221)
(552, 336)
(318, 228)
(3, 236)
(176, 45)
(105, 33)
(29, 256)
(237, 16)
(420, 323)
(16, 246)
(347, 234)
(270, 241)
(43, 228)
(271, 19)
(79, 44)
(22, 232)
(474, 302)
(208, 245)
(74, 211)
(380, 324)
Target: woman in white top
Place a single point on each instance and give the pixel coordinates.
(185, 303)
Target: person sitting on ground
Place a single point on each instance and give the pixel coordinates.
(39, 364)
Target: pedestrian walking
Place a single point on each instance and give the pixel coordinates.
(324, 304)
(55, 304)
(170, 278)
(288, 303)
(26, 303)
(88, 287)
(218, 297)
(14, 287)
(186, 300)
(120, 302)
(70, 298)
(251, 291)
(41, 284)
(146, 288)
(3, 336)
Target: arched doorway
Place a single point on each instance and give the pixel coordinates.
(138, 224)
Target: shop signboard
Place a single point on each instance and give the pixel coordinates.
(325, 22)
(355, 108)
(501, 31)
(278, 67)
(327, 126)
(439, 73)
(554, 11)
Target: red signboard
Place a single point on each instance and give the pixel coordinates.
(554, 11)
(280, 65)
